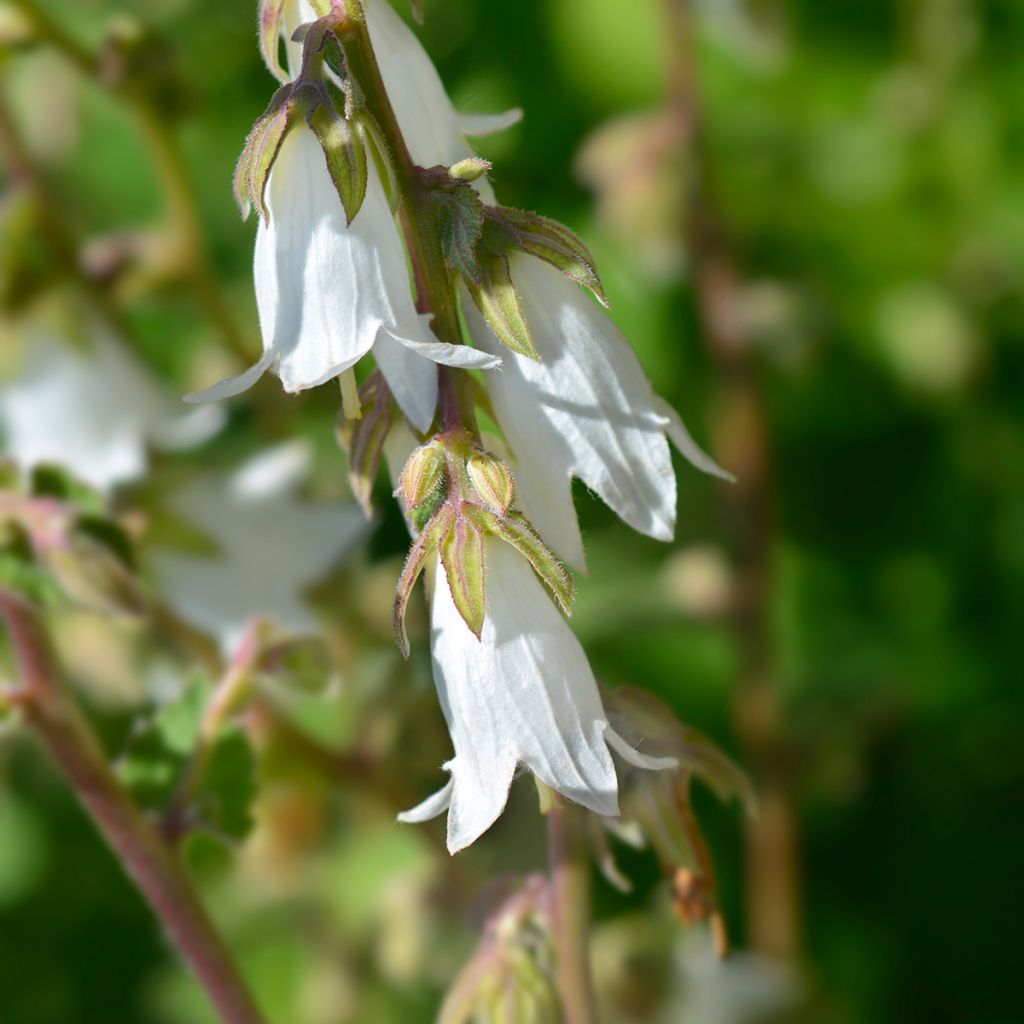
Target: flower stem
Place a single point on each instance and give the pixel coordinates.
(55, 718)
(570, 893)
(435, 288)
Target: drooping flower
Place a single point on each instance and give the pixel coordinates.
(327, 290)
(267, 546)
(93, 411)
(521, 694)
(585, 409)
(433, 130)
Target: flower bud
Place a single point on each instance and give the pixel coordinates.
(422, 474)
(470, 169)
(492, 480)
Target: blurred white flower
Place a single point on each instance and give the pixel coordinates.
(92, 411)
(585, 410)
(270, 543)
(327, 290)
(523, 694)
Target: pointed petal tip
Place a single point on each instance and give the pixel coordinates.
(479, 125)
(433, 807)
(233, 385)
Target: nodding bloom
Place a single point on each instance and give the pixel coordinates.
(433, 130)
(328, 291)
(94, 410)
(585, 409)
(521, 695)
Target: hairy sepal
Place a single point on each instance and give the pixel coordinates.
(462, 556)
(497, 298)
(516, 530)
(422, 547)
(345, 152)
(552, 242)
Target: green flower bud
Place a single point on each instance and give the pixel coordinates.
(470, 169)
(492, 480)
(422, 474)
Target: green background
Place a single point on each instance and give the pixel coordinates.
(866, 158)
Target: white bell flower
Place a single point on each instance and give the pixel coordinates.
(327, 290)
(92, 411)
(270, 545)
(434, 131)
(523, 694)
(586, 410)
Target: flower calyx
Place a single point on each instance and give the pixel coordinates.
(314, 96)
(364, 438)
(456, 495)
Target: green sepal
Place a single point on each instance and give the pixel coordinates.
(497, 298)
(364, 438)
(271, 12)
(261, 149)
(462, 555)
(345, 152)
(552, 242)
(516, 530)
(424, 545)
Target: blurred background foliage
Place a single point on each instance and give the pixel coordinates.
(865, 160)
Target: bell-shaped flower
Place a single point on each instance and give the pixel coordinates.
(434, 131)
(93, 410)
(327, 290)
(521, 694)
(262, 546)
(585, 409)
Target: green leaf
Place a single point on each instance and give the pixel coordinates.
(152, 765)
(228, 789)
(498, 300)
(345, 151)
(461, 223)
(462, 555)
(555, 244)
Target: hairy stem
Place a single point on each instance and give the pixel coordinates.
(773, 889)
(435, 287)
(570, 896)
(52, 714)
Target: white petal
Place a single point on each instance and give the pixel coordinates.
(336, 284)
(233, 385)
(479, 125)
(523, 693)
(635, 757)
(434, 806)
(432, 129)
(412, 379)
(586, 408)
(463, 356)
(683, 440)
